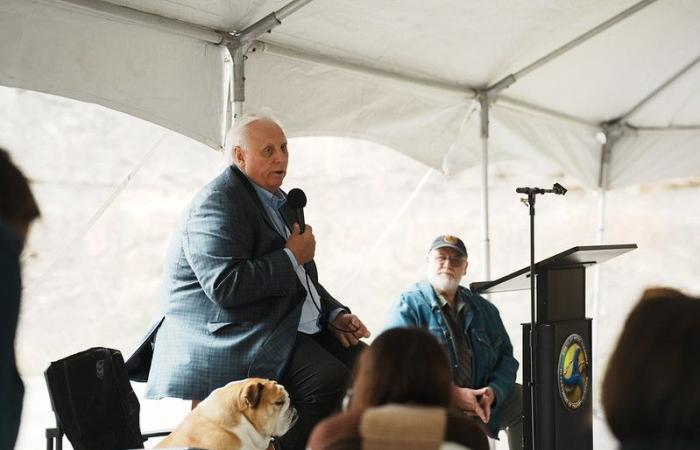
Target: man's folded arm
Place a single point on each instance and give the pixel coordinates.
(218, 248)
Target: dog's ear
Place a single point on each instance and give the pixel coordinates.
(253, 394)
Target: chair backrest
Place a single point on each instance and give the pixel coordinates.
(93, 401)
(393, 427)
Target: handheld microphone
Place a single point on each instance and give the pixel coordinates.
(296, 199)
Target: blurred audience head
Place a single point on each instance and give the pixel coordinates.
(18, 209)
(651, 389)
(403, 365)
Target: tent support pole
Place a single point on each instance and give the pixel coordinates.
(682, 128)
(600, 239)
(241, 41)
(611, 134)
(238, 82)
(485, 101)
(266, 24)
(237, 111)
(575, 42)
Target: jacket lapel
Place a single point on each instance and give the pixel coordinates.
(288, 214)
(240, 177)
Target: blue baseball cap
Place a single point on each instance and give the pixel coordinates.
(449, 241)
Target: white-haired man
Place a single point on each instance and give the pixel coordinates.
(470, 330)
(242, 297)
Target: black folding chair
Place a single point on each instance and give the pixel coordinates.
(94, 404)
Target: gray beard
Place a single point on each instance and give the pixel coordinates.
(443, 283)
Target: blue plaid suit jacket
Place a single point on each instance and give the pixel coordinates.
(232, 301)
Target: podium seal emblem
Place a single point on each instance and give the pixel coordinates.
(573, 371)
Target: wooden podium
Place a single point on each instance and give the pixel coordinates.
(557, 381)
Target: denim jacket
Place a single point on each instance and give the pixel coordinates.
(492, 353)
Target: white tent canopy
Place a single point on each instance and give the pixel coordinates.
(607, 91)
(406, 74)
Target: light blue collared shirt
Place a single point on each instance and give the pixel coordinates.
(310, 312)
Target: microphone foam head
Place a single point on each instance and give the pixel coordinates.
(296, 198)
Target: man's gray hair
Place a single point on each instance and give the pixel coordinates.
(238, 133)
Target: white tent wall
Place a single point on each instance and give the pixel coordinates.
(167, 78)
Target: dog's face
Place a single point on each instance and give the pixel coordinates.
(266, 406)
(243, 415)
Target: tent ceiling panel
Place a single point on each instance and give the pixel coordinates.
(421, 124)
(168, 79)
(518, 135)
(606, 76)
(644, 156)
(483, 41)
(571, 147)
(472, 43)
(678, 105)
(225, 15)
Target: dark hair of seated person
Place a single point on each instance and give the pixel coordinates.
(650, 392)
(17, 205)
(402, 366)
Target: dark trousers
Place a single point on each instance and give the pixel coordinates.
(317, 376)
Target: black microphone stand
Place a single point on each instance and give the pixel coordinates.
(531, 193)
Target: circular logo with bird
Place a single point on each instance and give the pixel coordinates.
(573, 372)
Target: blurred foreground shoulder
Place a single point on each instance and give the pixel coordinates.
(464, 430)
(339, 432)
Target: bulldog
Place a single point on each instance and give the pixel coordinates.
(243, 415)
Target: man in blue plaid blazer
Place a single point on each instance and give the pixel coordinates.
(242, 297)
